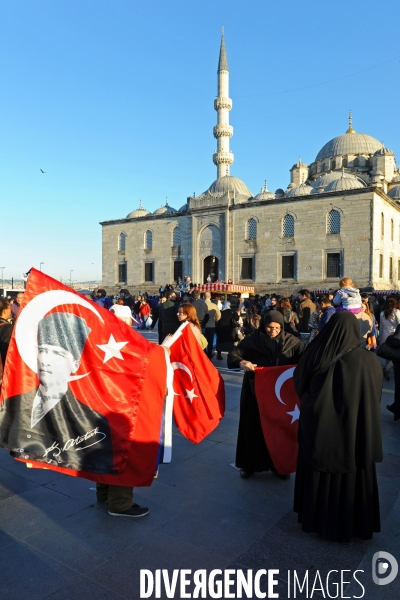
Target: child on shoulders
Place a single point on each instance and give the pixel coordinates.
(348, 298)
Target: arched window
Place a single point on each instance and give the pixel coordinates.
(176, 237)
(121, 241)
(333, 222)
(382, 225)
(391, 229)
(251, 229)
(148, 240)
(288, 226)
(333, 164)
(345, 162)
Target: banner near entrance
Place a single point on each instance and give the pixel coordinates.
(279, 412)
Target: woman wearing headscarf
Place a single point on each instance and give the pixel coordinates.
(339, 386)
(268, 346)
(393, 341)
(226, 330)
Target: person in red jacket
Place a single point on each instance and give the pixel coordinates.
(144, 311)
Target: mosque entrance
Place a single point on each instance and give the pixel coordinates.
(210, 269)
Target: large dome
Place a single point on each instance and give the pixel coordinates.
(349, 143)
(229, 184)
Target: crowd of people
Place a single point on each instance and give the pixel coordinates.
(333, 338)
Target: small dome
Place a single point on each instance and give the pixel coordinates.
(222, 185)
(183, 208)
(301, 190)
(139, 212)
(384, 152)
(344, 182)
(279, 193)
(395, 192)
(349, 143)
(264, 194)
(166, 209)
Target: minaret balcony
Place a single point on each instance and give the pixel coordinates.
(223, 131)
(223, 158)
(223, 103)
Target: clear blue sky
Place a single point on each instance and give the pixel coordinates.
(114, 100)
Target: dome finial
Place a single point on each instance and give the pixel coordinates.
(140, 205)
(265, 185)
(350, 129)
(166, 201)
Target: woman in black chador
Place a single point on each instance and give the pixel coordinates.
(268, 346)
(339, 385)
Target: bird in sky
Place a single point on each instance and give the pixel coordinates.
(42, 171)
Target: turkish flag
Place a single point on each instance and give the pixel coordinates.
(279, 404)
(199, 401)
(83, 393)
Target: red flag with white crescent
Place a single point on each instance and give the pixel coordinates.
(82, 393)
(279, 405)
(199, 400)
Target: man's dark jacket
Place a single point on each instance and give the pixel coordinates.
(202, 311)
(56, 438)
(168, 318)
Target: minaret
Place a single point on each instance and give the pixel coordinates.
(223, 158)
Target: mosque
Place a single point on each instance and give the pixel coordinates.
(340, 215)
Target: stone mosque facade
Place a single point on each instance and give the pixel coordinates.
(340, 215)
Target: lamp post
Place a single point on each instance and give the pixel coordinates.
(2, 279)
(42, 263)
(70, 277)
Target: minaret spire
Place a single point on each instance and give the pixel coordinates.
(223, 158)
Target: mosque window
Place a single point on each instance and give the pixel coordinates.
(333, 222)
(398, 270)
(333, 265)
(148, 271)
(345, 162)
(288, 226)
(390, 267)
(380, 266)
(333, 164)
(288, 266)
(356, 162)
(122, 273)
(148, 240)
(391, 229)
(176, 236)
(382, 225)
(247, 268)
(121, 241)
(251, 230)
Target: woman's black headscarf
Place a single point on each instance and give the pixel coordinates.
(260, 340)
(339, 385)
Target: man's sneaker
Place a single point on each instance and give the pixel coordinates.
(134, 511)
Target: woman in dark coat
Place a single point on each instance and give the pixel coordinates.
(393, 341)
(269, 346)
(226, 330)
(6, 328)
(339, 385)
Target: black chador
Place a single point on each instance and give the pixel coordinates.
(339, 385)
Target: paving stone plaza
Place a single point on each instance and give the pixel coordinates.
(57, 543)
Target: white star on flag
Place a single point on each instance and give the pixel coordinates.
(112, 349)
(190, 394)
(295, 414)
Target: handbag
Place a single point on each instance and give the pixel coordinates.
(385, 351)
(203, 341)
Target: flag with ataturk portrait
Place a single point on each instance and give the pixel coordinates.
(279, 404)
(83, 393)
